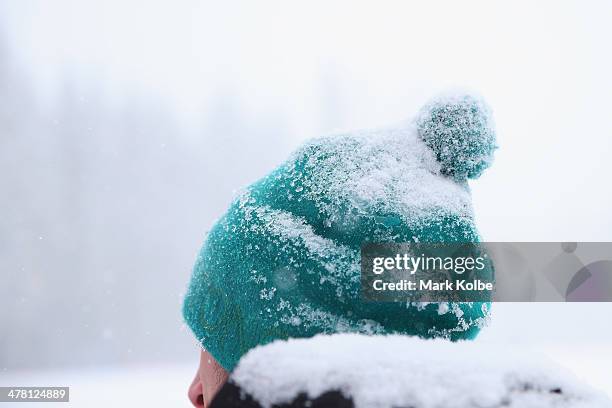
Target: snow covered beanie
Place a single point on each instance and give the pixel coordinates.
(284, 260)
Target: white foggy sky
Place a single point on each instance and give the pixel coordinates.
(542, 66)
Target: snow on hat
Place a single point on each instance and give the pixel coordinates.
(284, 260)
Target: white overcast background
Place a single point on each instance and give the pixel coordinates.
(127, 126)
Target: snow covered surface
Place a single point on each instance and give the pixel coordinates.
(166, 385)
(379, 371)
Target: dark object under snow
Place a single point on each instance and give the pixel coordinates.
(351, 370)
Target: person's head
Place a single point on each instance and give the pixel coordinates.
(284, 260)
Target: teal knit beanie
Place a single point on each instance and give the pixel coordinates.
(284, 260)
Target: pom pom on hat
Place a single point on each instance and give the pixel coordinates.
(459, 129)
